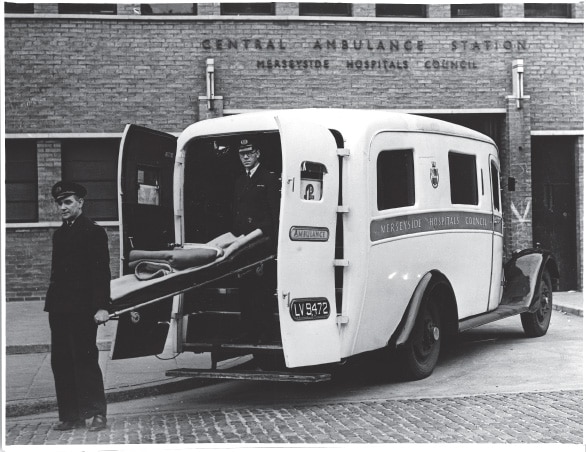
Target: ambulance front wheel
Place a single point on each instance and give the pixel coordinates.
(421, 352)
(536, 324)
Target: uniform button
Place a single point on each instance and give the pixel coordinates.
(249, 220)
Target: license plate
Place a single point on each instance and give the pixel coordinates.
(310, 309)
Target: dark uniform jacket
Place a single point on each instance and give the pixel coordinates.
(80, 269)
(256, 203)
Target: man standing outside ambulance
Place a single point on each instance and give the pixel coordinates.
(77, 302)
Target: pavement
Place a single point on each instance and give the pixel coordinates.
(29, 379)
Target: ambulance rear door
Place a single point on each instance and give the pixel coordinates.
(306, 248)
(145, 208)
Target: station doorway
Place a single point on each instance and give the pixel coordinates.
(554, 203)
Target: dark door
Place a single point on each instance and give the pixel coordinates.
(145, 189)
(554, 203)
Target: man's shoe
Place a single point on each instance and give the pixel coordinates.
(69, 425)
(98, 423)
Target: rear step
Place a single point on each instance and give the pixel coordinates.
(249, 348)
(257, 375)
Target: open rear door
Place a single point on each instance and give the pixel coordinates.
(145, 190)
(145, 208)
(306, 250)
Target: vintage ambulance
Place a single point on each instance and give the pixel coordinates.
(390, 237)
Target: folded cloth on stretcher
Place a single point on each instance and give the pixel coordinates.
(236, 252)
(154, 264)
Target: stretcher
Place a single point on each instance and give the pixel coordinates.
(159, 275)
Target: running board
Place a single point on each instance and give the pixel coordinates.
(502, 312)
(256, 375)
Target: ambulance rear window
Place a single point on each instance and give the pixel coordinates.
(463, 178)
(395, 181)
(312, 179)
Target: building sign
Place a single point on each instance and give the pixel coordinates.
(373, 54)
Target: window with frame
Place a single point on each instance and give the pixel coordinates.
(312, 180)
(559, 10)
(400, 10)
(496, 194)
(395, 181)
(21, 181)
(463, 178)
(19, 8)
(93, 163)
(475, 10)
(247, 9)
(87, 8)
(168, 9)
(325, 9)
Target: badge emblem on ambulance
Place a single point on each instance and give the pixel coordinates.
(434, 175)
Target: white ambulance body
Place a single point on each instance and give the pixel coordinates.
(390, 236)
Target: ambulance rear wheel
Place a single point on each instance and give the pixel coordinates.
(536, 324)
(421, 352)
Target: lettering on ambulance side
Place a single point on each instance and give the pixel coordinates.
(385, 228)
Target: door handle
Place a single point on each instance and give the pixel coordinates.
(287, 296)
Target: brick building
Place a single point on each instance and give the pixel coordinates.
(76, 74)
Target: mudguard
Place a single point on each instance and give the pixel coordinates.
(523, 273)
(408, 320)
(448, 306)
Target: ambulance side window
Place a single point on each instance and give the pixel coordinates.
(395, 183)
(312, 180)
(496, 195)
(463, 178)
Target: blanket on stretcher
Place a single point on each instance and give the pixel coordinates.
(154, 264)
(151, 268)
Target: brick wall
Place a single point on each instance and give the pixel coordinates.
(66, 75)
(516, 161)
(28, 257)
(96, 75)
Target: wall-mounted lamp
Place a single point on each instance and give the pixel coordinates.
(210, 81)
(518, 69)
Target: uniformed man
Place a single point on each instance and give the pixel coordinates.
(77, 301)
(256, 206)
(256, 197)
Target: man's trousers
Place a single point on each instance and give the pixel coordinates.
(74, 359)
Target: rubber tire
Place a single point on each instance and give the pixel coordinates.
(536, 324)
(420, 354)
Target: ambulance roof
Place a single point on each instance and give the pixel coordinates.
(351, 123)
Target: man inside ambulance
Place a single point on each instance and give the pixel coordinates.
(256, 206)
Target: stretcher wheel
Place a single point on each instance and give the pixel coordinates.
(536, 324)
